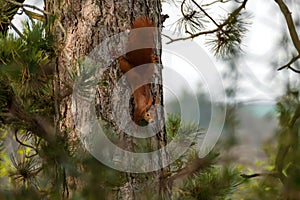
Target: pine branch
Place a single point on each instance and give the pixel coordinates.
(20, 4)
(193, 167)
(234, 14)
(36, 124)
(8, 10)
(193, 36)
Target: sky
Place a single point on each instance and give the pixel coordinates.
(259, 81)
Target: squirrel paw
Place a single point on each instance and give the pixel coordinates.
(154, 58)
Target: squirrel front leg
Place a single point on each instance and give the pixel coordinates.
(125, 66)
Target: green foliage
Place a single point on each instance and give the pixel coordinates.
(209, 181)
(100, 180)
(280, 173)
(4, 159)
(24, 61)
(25, 72)
(213, 183)
(287, 161)
(259, 188)
(26, 193)
(172, 125)
(183, 132)
(25, 93)
(186, 129)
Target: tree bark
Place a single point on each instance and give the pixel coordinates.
(79, 27)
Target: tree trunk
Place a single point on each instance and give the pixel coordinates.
(80, 27)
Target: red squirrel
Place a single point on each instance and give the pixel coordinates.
(142, 96)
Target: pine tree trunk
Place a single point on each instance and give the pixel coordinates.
(79, 26)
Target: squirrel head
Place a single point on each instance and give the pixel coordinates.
(150, 115)
(145, 117)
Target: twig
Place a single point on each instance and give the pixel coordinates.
(34, 15)
(294, 70)
(23, 144)
(206, 14)
(227, 21)
(183, 13)
(216, 1)
(64, 32)
(290, 23)
(220, 27)
(32, 155)
(289, 63)
(248, 176)
(17, 31)
(29, 6)
(193, 36)
(167, 36)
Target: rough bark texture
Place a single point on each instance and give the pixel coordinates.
(79, 26)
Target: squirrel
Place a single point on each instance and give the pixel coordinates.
(140, 78)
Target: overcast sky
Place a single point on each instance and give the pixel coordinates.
(259, 81)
